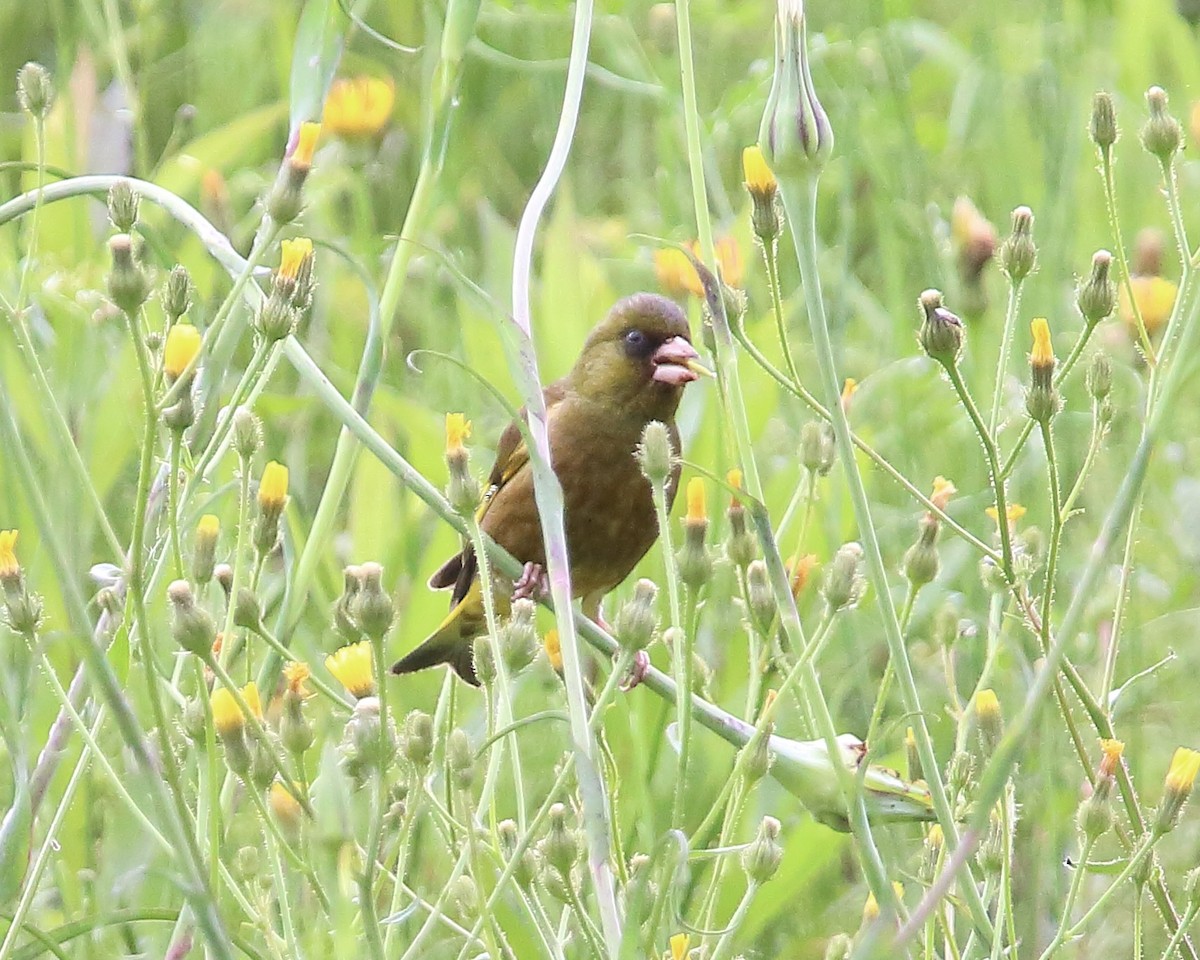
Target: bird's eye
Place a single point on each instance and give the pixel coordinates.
(637, 344)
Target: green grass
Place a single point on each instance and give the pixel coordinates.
(928, 101)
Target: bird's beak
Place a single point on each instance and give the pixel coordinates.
(676, 362)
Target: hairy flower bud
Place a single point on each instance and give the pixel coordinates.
(127, 283)
(373, 609)
(560, 847)
(192, 627)
(636, 620)
(176, 293)
(656, 453)
(1103, 127)
(762, 857)
(416, 739)
(1099, 376)
(759, 597)
(123, 202)
(816, 448)
(35, 90)
(844, 584)
(460, 759)
(1018, 253)
(247, 433)
(921, 560)
(518, 637)
(1162, 134)
(941, 335)
(1096, 297)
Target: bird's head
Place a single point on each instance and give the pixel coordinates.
(638, 358)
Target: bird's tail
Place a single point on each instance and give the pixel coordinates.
(451, 643)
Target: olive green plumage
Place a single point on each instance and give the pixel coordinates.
(632, 370)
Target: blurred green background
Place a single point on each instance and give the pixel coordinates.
(929, 101)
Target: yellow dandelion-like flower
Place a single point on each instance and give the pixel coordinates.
(987, 706)
(227, 715)
(1182, 773)
(697, 508)
(734, 477)
(292, 254)
(273, 487)
(358, 107)
(284, 804)
(1015, 512)
(1155, 298)
(729, 256)
(553, 648)
(759, 180)
(182, 347)
(306, 146)
(353, 666)
(943, 490)
(679, 946)
(10, 567)
(676, 275)
(295, 673)
(849, 389)
(209, 527)
(1112, 750)
(1042, 354)
(458, 429)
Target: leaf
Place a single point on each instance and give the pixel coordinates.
(320, 39)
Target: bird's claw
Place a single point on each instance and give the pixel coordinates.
(637, 672)
(533, 584)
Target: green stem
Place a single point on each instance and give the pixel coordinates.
(725, 944)
(771, 255)
(1102, 901)
(173, 504)
(239, 560)
(885, 684)
(1114, 221)
(1089, 458)
(800, 201)
(1188, 916)
(993, 465)
(1064, 922)
(1010, 321)
(679, 648)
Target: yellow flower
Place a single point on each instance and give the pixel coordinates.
(306, 145)
(800, 571)
(227, 715)
(1042, 354)
(553, 648)
(759, 180)
(679, 946)
(1112, 750)
(295, 673)
(209, 527)
(1182, 773)
(10, 567)
(458, 429)
(353, 667)
(675, 273)
(284, 805)
(358, 106)
(734, 477)
(987, 707)
(935, 838)
(273, 487)
(1155, 298)
(871, 907)
(182, 347)
(849, 389)
(1015, 512)
(943, 490)
(729, 256)
(697, 509)
(292, 254)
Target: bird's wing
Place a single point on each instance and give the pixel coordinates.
(512, 456)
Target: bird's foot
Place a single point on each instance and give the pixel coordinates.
(637, 672)
(533, 584)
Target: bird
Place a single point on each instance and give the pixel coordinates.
(632, 370)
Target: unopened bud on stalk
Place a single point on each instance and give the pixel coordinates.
(844, 584)
(990, 721)
(941, 335)
(373, 610)
(560, 847)
(192, 627)
(295, 731)
(739, 544)
(636, 620)
(1018, 253)
(656, 453)
(205, 548)
(35, 90)
(921, 560)
(123, 203)
(759, 597)
(247, 612)
(1103, 125)
(816, 448)
(1162, 134)
(693, 559)
(1041, 400)
(760, 183)
(518, 637)
(223, 574)
(128, 286)
(762, 857)
(343, 610)
(247, 433)
(176, 294)
(1099, 376)
(416, 739)
(795, 133)
(1094, 815)
(1181, 776)
(1096, 297)
(460, 759)
(931, 853)
(463, 490)
(286, 197)
(991, 851)
(272, 498)
(483, 658)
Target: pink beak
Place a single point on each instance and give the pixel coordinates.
(676, 362)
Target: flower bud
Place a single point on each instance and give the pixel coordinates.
(247, 863)
(693, 559)
(1018, 253)
(262, 764)
(275, 320)
(816, 448)
(795, 133)
(247, 612)
(760, 183)
(374, 610)
(295, 732)
(343, 609)
(272, 498)
(285, 807)
(1103, 126)
(560, 847)
(123, 203)
(960, 772)
(636, 620)
(1096, 297)
(192, 627)
(1185, 764)
(1042, 400)
(416, 739)
(285, 199)
(656, 454)
(839, 947)
(483, 658)
(176, 294)
(991, 850)
(464, 896)
(921, 560)
(739, 543)
(247, 433)
(844, 584)
(912, 756)
(223, 574)
(1099, 376)
(365, 746)
(192, 720)
(990, 721)
(941, 335)
(931, 853)
(1162, 135)
(35, 90)
(205, 547)
(460, 759)
(759, 598)
(762, 857)
(518, 637)
(127, 283)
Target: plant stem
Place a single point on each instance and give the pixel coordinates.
(1110, 202)
(1010, 321)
